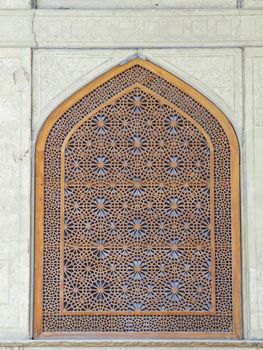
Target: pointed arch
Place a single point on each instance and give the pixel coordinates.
(208, 125)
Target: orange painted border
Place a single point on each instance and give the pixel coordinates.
(235, 201)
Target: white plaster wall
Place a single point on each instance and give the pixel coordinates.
(15, 135)
(254, 171)
(15, 4)
(57, 73)
(253, 4)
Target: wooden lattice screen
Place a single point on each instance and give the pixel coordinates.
(137, 211)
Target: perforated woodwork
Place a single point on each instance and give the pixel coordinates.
(137, 211)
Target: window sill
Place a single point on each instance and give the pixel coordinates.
(131, 343)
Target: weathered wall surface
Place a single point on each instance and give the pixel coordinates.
(67, 49)
(254, 167)
(15, 135)
(15, 4)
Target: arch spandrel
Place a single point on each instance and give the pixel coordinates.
(210, 203)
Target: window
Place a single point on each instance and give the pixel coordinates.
(137, 212)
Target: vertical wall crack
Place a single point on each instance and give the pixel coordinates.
(33, 28)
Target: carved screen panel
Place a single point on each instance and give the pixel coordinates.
(137, 212)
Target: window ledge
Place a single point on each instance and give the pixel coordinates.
(133, 343)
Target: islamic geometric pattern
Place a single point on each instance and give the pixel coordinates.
(137, 213)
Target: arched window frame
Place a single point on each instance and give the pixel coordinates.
(235, 188)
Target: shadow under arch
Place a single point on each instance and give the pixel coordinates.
(199, 102)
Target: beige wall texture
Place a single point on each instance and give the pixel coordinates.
(48, 53)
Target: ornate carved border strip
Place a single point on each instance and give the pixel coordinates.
(102, 29)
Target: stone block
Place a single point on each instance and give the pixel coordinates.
(135, 4)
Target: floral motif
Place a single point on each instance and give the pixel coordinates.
(137, 227)
(172, 123)
(125, 250)
(162, 227)
(113, 186)
(186, 187)
(88, 186)
(173, 165)
(100, 207)
(186, 144)
(199, 165)
(187, 226)
(101, 165)
(150, 290)
(70, 147)
(113, 144)
(87, 268)
(149, 165)
(125, 165)
(149, 250)
(68, 227)
(199, 206)
(137, 144)
(206, 227)
(199, 248)
(200, 290)
(125, 123)
(125, 205)
(74, 290)
(207, 307)
(206, 189)
(149, 206)
(68, 268)
(207, 269)
(137, 270)
(87, 227)
(137, 306)
(113, 269)
(87, 145)
(113, 227)
(161, 270)
(174, 250)
(173, 207)
(77, 165)
(100, 290)
(186, 269)
(100, 248)
(137, 103)
(205, 146)
(77, 206)
(125, 290)
(69, 189)
(137, 187)
(160, 143)
(174, 291)
(100, 124)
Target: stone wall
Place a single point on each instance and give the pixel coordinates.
(46, 55)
